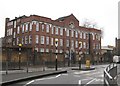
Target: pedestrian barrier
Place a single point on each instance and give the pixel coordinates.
(110, 75)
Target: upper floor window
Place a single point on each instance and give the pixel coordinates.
(11, 31)
(37, 39)
(47, 50)
(22, 40)
(67, 32)
(56, 30)
(37, 26)
(47, 28)
(76, 44)
(61, 42)
(17, 40)
(93, 36)
(52, 31)
(23, 28)
(81, 35)
(61, 31)
(26, 39)
(30, 39)
(26, 27)
(84, 44)
(84, 35)
(14, 34)
(30, 26)
(41, 49)
(51, 41)
(47, 40)
(76, 33)
(42, 39)
(72, 43)
(43, 27)
(72, 33)
(14, 24)
(18, 29)
(67, 43)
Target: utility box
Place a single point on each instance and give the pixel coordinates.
(87, 63)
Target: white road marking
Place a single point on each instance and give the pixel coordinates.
(42, 79)
(29, 82)
(90, 81)
(79, 82)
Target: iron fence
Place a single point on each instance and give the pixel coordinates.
(110, 75)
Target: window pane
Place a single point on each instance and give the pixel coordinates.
(47, 28)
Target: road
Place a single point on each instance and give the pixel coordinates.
(76, 77)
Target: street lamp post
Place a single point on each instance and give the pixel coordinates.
(20, 45)
(79, 56)
(56, 45)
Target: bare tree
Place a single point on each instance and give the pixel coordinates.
(89, 24)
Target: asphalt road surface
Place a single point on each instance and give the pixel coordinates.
(77, 77)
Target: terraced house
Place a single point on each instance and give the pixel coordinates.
(39, 33)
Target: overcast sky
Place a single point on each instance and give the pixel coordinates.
(103, 12)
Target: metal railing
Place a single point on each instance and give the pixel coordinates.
(110, 75)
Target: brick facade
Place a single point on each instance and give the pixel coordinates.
(39, 33)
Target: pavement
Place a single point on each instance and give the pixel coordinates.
(15, 76)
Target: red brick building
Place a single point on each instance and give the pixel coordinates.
(39, 33)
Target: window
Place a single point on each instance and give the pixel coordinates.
(72, 33)
(37, 39)
(47, 50)
(14, 35)
(14, 24)
(42, 39)
(47, 40)
(67, 43)
(84, 45)
(84, 35)
(26, 27)
(42, 27)
(26, 39)
(61, 42)
(51, 41)
(22, 40)
(76, 44)
(11, 31)
(67, 32)
(30, 39)
(41, 49)
(37, 26)
(30, 26)
(36, 49)
(93, 36)
(72, 43)
(18, 29)
(61, 31)
(47, 28)
(61, 51)
(56, 30)
(52, 32)
(76, 33)
(81, 35)
(17, 40)
(23, 28)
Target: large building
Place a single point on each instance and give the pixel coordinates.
(39, 33)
